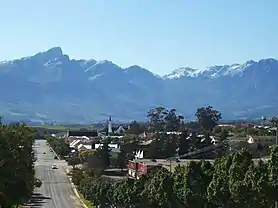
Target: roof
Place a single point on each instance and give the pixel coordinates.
(75, 142)
(263, 137)
(146, 143)
(81, 147)
(83, 133)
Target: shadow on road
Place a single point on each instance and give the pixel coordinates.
(37, 200)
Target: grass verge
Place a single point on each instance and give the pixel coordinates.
(85, 201)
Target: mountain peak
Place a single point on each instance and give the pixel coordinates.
(50, 54)
(55, 51)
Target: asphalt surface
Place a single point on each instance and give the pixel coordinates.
(56, 190)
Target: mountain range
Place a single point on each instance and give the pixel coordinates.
(50, 87)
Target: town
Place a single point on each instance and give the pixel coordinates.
(118, 154)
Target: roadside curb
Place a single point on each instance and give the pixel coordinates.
(75, 190)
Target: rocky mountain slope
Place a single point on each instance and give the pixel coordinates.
(50, 86)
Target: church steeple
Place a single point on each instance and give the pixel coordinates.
(110, 125)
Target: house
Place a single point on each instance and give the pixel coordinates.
(262, 140)
(114, 148)
(75, 144)
(82, 147)
(139, 168)
(120, 130)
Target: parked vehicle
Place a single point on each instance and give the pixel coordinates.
(54, 166)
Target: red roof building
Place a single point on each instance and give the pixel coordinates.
(138, 168)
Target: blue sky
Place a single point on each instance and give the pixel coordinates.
(160, 35)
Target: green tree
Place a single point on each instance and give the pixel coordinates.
(207, 118)
(191, 182)
(103, 153)
(17, 170)
(135, 128)
(173, 121)
(184, 143)
(257, 182)
(222, 143)
(58, 145)
(85, 154)
(218, 192)
(156, 118)
(77, 176)
(274, 121)
(273, 173)
(122, 159)
(73, 160)
(124, 194)
(239, 193)
(159, 190)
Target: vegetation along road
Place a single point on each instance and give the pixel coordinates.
(56, 190)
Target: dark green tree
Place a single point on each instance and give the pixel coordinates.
(222, 143)
(191, 182)
(239, 193)
(135, 128)
(207, 118)
(16, 164)
(159, 190)
(156, 119)
(273, 174)
(103, 153)
(218, 192)
(173, 121)
(184, 143)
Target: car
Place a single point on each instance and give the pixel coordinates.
(54, 166)
(51, 150)
(44, 153)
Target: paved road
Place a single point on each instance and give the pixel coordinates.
(56, 191)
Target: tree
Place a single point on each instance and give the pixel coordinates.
(122, 159)
(17, 178)
(135, 128)
(159, 190)
(85, 154)
(124, 194)
(239, 192)
(103, 153)
(58, 145)
(257, 183)
(222, 143)
(191, 182)
(156, 118)
(274, 121)
(273, 173)
(161, 119)
(207, 118)
(218, 193)
(173, 121)
(73, 160)
(184, 143)
(77, 176)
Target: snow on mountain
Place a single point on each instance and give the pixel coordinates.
(216, 71)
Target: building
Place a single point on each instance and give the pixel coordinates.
(138, 168)
(110, 130)
(262, 140)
